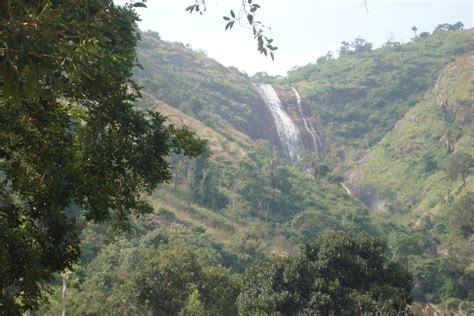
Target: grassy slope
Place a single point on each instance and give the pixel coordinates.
(223, 147)
(360, 97)
(407, 165)
(230, 145)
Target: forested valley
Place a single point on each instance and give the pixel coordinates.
(141, 177)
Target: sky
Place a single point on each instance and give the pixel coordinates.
(303, 30)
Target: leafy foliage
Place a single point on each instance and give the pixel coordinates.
(161, 268)
(460, 165)
(246, 16)
(265, 188)
(71, 137)
(411, 168)
(333, 274)
(462, 216)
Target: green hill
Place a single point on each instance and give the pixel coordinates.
(199, 86)
(400, 122)
(362, 94)
(396, 120)
(409, 164)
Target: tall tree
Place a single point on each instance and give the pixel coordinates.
(70, 136)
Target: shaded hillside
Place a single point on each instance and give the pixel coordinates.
(381, 115)
(244, 181)
(229, 145)
(199, 86)
(223, 98)
(361, 95)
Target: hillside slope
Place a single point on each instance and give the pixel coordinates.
(415, 171)
(361, 95)
(393, 117)
(409, 165)
(199, 86)
(231, 145)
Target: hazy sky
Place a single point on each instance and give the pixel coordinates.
(302, 29)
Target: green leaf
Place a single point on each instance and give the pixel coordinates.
(232, 13)
(226, 18)
(139, 5)
(250, 18)
(260, 43)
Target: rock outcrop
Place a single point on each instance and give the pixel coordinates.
(294, 125)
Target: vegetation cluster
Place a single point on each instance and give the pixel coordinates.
(240, 231)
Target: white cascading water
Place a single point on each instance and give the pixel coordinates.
(286, 128)
(308, 124)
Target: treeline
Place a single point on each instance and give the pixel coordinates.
(178, 271)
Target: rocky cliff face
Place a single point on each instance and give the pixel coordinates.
(292, 122)
(263, 125)
(455, 90)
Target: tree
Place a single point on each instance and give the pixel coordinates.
(70, 137)
(360, 45)
(345, 49)
(424, 34)
(439, 278)
(204, 183)
(415, 29)
(357, 46)
(324, 58)
(446, 27)
(166, 278)
(460, 165)
(173, 278)
(462, 215)
(334, 274)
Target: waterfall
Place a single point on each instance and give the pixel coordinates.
(287, 130)
(308, 124)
